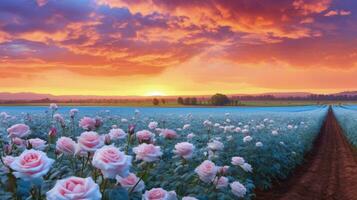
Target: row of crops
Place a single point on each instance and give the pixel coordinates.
(158, 155)
(347, 118)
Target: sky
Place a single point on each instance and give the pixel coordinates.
(177, 47)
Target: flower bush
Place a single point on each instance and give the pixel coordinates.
(79, 155)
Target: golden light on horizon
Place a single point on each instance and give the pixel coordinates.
(155, 93)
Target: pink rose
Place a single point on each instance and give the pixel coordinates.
(159, 194)
(37, 143)
(73, 112)
(130, 181)
(238, 189)
(153, 125)
(19, 142)
(147, 152)
(87, 123)
(53, 106)
(237, 160)
(7, 162)
(74, 188)
(19, 130)
(189, 198)
(168, 134)
(207, 171)
(221, 182)
(112, 162)
(145, 136)
(117, 133)
(184, 149)
(31, 164)
(58, 118)
(66, 146)
(90, 141)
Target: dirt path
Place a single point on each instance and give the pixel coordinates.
(330, 171)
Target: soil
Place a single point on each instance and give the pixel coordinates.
(329, 173)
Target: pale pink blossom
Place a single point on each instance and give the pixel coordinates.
(37, 143)
(221, 182)
(18, 130)
(74, 188)
(66, 146)
(147, 152)
(237, 160)
(238, 189)
(168, 134)
(90, 141)
(53, 106)
(112, 162)
(215, 145)
(189, 198)
(153, 125)
(130, 181)
(206, 171)
(184, 149)
(159, 194)
(87, 123)
(117, 134)
(145, 136)
(31, 164)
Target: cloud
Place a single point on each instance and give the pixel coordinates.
(137, 37)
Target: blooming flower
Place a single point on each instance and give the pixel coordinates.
(87, 123)
(37, 143)
(189, 198)
(168, 134)
(130, 181)
(66, 146)
(31, 164)
(145, 136)
(246, 167)
(147, 152)
(206, 171)
(90, 141)
(53, 106)
(159, 194)
(259, 144)
(74, 188)
(215, 145)
(117, 134)
(184, 149)
(190, 136)
(221, 182)
(19, 130)
(247, 139)
(237, 160)
(153, 125)
(238, 189)
(73, 112)
(186, 126)
(112, 162)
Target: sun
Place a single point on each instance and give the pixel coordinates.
(155, 93)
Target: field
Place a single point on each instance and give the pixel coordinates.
(205, 153)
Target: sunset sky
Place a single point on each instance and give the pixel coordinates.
(177, 47)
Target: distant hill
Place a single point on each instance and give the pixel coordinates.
(6, 96)
(348, 93)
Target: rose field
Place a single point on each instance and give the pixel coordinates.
(92, 153)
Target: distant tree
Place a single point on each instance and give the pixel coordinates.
(155, 101)
(193, 101)
(163, 101)
(187, 101)
(219, 100)
(180, 100)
